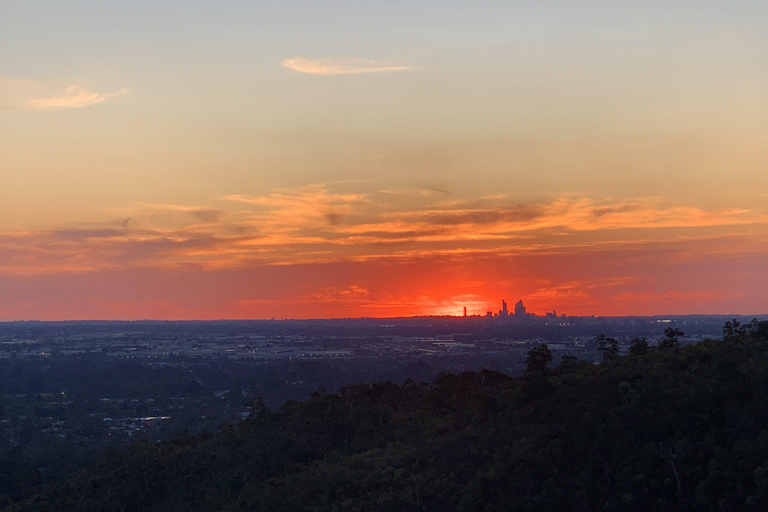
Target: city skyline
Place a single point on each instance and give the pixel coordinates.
(346, 159)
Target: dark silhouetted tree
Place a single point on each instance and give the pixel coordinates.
(762, 330)
(671, 338)
(568, 362)
(608, 346)
(536, 384)
(733, 329)
(638, 347)
(538, 359)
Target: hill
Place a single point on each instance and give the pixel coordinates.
(676, 428)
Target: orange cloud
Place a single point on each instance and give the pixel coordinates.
(314, 224)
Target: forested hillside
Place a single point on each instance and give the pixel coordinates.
(664, 428)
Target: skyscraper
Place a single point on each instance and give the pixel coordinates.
(519, 308)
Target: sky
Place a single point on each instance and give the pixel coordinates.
(303, 159)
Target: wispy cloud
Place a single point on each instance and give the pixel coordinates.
(305, 207)
(320, 223)
(343, 66)
(76, 96)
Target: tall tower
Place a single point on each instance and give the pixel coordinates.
(504, 311)
(519, 308)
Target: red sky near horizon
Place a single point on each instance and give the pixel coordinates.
(300, 159)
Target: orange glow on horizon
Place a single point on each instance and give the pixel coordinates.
(656, 280)
(511, 151)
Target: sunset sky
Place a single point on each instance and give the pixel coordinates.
(251, 159)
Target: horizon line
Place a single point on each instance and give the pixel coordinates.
(274, 319)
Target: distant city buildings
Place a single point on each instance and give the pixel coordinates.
(520, 311)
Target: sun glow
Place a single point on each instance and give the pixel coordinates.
(239, 161)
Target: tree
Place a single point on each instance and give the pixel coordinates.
(733, 329)
(536, 384)
(762, 330)
(568, 362)
(538, 359)
(608, 346)
(638, 347)
(671, 338)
